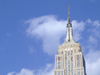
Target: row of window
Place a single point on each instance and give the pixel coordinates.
(69, 67)
(76, 72)
(68, 60)
(63, 52)
(78, 59)
(69, 57)
(59, 72)
(59, 62)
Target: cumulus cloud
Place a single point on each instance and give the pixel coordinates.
(93, 62)
(92, 40)
(11, 73)
(97, 23)
(47, 70)
(31, 49)
(51, 30)
(23, 72)
(78, 27)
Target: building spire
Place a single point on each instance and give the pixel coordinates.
(69, 34)
(68, 13)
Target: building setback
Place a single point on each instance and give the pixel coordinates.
(70, 60)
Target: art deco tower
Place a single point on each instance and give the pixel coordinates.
(70, 60)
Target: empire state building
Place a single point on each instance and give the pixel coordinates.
(69, 60)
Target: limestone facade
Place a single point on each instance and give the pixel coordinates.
(69, 60)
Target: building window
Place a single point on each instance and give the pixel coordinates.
(61, 72)
(66, 60)
(58, 72)
(71, 62)
(75, 60)
(55, 73)
(74, 71)
(75, 51)
(61, 52)
(58, 57)
(59, 62)
(81, 71)
(78, 71)
(65, 72)
(78, 60)
(58, 52)
(56, 63)
(81, 60)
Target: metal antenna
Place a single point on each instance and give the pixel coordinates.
(68, 13)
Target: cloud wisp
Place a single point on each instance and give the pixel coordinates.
(47, 70)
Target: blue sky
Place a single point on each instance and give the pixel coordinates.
(32, 30)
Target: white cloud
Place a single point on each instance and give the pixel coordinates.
(51, 30)
(47, 70)
(89, 21)
(93, 62)
(94, 33)
(23, 72)
(97, 23)
(31, 49)
(78, 27)
(92, 40)
(11, 73)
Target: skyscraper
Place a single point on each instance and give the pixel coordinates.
(70, 60)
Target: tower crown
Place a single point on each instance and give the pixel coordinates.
(69, 34)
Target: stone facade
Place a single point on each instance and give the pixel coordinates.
(69, 60)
